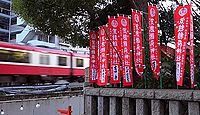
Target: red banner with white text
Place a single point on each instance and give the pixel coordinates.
(93, 57)
(191, 51)
(103, 61)
(114, 50)
(153, 40)
(137, 42)
(124, 32)
(182, 21)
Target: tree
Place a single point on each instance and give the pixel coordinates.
(71, 20)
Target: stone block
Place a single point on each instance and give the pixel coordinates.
(90, 105)
(103, 106)
(115, 106)
(157, 107)
(196, 95)
(141, 107)
(89, 91)
(175, 108)
(193, 108)
(115, 92)
(128, 106)
(174, 94)
(139, 93)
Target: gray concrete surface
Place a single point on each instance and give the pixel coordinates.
(48, 106)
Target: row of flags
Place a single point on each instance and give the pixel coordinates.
(112, 44)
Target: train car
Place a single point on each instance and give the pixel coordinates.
(24, 64)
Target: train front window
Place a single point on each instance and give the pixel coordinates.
(44, 59)
(14, 56)
(79, 62)
(62, 61)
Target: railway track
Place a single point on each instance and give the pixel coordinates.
(40, 89)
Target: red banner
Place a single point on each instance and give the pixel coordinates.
(153, 40)
(103, 61)
(137, 42)
(124, 30)
(114, 50)
(191, 51)
(182, 20)
(93, 56)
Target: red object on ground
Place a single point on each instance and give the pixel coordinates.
(65, 112)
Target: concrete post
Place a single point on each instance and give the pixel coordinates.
(127, 106)
(157, 107)
(141, 107)
(193, 108)
(175, 108)
(113, 106)
(90, 105)
(103, 107)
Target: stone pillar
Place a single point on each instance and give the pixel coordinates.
(127, 106)
(141, 107)
(193, 108)
(103, 107)
(175, 108)
(90, 105)
(115, 106)
(157, 107)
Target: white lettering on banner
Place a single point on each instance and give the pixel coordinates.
(138, 47)
(94, 73)
(125, 37)
(180, 35)
(151, 35)
(127, 62)
(152, 21)
(138, 54)
(126, 56)
(182, 20)
(153, 57)
(154, 65)
(137, 40)
(115, 72)
(93, 36)
(152, 29)
(125, 43)
(178, 71)
(115, 56)
(103, 75)
(180, 28)
(114, 31)
(127, 73)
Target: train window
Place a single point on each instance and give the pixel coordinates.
(62, 61)
(14, 56)
(79, 62)
(44, 59)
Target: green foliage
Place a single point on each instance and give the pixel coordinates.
(72, 19)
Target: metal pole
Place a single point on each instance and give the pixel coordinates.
(144, 76)
(10, 19)
(161, 81)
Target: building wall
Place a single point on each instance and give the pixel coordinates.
(4, 20)
(47, 106)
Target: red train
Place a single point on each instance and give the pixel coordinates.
(25, 64)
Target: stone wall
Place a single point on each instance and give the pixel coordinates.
(121, 101)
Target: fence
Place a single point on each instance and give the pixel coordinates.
(121, 101)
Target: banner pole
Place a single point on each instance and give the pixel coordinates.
(144, 50)
(161, 80)
(131, 48)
